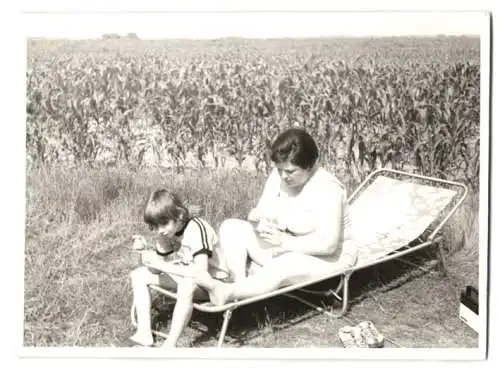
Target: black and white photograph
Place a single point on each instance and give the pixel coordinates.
(212, 181)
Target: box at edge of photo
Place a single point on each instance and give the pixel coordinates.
(469, 308)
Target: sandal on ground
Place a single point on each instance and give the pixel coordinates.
(351, 337)
(371, 335)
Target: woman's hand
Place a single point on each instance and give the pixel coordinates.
(270, 233)
(254, 215)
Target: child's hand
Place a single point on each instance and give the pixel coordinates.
(149, 257)
(186, 258)
(139, 243)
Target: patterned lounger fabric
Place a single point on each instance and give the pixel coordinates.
(391, 213)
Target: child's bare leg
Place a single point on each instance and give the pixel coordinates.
(182, 311)
(141, 278)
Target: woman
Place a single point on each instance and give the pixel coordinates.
(295, 232)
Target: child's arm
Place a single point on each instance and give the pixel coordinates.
(161, 247)
(200, 262)
(197, 248)
(153, 260)
(188, 266)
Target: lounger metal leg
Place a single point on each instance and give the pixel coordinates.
(345, 299)
(440, 257)
(227, 317)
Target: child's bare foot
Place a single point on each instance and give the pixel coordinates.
(219, 293)
(144, 340)
(167, 345)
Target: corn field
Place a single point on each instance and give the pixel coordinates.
(405, 103)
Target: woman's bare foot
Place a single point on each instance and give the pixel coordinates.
(219, 293)
(145, 340)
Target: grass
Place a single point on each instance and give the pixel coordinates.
(79, 224)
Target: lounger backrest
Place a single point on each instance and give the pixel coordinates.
(391, 209)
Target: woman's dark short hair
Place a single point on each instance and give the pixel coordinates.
(297, 146)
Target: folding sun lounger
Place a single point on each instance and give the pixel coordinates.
(392, 214)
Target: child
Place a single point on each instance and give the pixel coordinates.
(194, 240)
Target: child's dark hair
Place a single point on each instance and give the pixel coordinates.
(164, 206)
(297, 146)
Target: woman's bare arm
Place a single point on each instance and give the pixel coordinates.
(328, 223)
(266, 199)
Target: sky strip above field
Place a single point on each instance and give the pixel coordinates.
(203, 25)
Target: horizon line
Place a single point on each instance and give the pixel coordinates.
(138, 38)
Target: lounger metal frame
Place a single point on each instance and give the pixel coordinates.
(429, 237)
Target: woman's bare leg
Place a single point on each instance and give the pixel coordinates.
(238, 242)
(284, 270)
